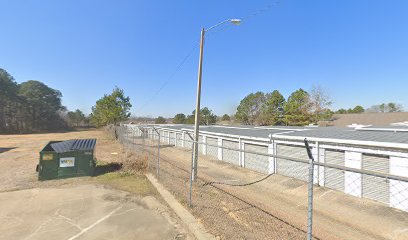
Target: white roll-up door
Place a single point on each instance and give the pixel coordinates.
(172, 136)
(179, 140)
(256, 162)
(376, 188)
(200, 143)
(212, 147)
(231, 156)
(161, 136)
(289, 168)
(167, 136)
(334, 178)
(188, 143)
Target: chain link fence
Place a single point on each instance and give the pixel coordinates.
(248, 191)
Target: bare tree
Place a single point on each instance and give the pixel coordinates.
(321, 101)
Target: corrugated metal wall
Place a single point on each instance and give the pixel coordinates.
(211, 150)
(376, 188)
(259, 163)
(290, 168)
(231, 156)
(334, 178)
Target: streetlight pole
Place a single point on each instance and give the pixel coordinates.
(197, 111)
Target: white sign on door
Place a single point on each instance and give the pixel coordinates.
(67, 162)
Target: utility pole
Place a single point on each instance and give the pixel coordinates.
(197, 112)
(234, 21)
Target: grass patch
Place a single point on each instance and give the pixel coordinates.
(129, 182)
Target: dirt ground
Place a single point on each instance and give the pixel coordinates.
(21, 153)
(275, 208)
(114, 205)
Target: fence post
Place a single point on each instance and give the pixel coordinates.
(133, 136)
(158, 153)
(191, 179)
(127, 135)
(192, 170)
(147, 146)
(158, 158)
(310, 192)
(240, 151)
(318, 160)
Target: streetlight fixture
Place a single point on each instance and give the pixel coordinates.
(234, 21)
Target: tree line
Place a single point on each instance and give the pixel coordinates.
(32, 106)
(380, 108)
(300, 108)
(28, 106)
(207, 117)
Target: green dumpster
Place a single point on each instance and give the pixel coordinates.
(64, 159)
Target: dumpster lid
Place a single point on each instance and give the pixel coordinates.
(74, 145)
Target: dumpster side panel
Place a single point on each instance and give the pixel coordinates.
(48, 166)
(85, 163)
(67, 164)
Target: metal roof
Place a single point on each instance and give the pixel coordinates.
(350, 134)
(390, 128)
(74, 145)
(244, 131)
(381, 136)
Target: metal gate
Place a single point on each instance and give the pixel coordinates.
(231, 156)
(289, 168)
(376, 188)
(334, 178)
(211, 149)
(259, 163)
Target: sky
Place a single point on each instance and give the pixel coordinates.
(356, 50)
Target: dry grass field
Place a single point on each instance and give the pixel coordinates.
(115, 204)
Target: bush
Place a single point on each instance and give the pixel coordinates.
(134, 163)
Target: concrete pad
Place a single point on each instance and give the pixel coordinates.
(81, 212)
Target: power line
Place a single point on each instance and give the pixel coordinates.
(178, 68)
(262, 10)
(164, 84)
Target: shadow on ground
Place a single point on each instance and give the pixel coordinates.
(107, 168)
(163, 146)
(2, 150)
